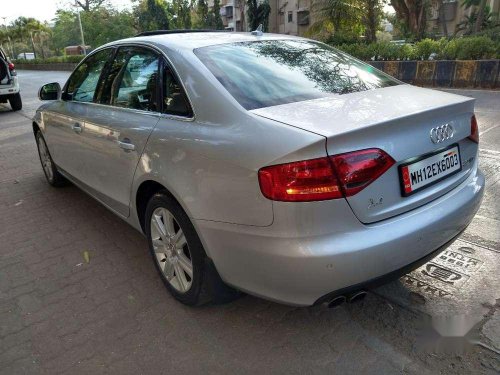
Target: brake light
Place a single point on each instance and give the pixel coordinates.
(11, 67)
(301, 181)
(474, 130)
(324, 178)
(356, 170)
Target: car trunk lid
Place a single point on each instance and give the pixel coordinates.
(397, 120)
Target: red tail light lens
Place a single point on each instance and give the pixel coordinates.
(302, 181)
(356, 170)
(11, 67)
(474, 130)
(324, 178)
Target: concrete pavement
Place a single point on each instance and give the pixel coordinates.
(60, 314)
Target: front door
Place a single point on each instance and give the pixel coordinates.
(117, 129)
(65, 119)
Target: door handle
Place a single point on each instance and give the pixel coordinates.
(126, 145)
(77, 128)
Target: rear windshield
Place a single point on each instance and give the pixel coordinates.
(272, 72)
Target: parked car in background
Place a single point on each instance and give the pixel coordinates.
(26, 56)
(270, 164)
(9, 84)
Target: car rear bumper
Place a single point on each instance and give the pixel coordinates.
(10, 89)
(320, 249)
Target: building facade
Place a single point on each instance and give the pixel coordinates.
(452, 13)
(233, 14)
(287, 17)
(291, 17)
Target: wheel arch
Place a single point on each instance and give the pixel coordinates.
(145, 191)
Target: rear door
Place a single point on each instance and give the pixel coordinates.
(65, 119)
(118, 127)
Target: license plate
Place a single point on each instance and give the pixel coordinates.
(429, 169)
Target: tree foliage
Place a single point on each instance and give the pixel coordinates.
(88, 5)
(207, 18)
(152, 15)
(181, 14)
(100, 26)
(258, 14)
(412, 14)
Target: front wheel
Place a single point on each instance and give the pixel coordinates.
(53, 176)
(179, 256)
(15, 102)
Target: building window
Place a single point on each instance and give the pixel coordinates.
(303, 18)
(290, 17)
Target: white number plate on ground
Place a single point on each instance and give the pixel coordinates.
(429, 170)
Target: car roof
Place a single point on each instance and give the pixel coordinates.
(193, 40)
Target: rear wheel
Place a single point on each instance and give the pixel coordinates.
(53, 176)
(179, 256)
(16, 102)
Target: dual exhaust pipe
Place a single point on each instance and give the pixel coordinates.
(350, 298)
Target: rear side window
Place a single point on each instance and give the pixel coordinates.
(272, 72)
(175, 101)
(132, 80)
(83, 82)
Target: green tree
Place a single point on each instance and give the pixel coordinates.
(23, 29)
(152, 15)
(181, 11)
(202, 16)
(372, 15)
(258, 14)
(413, 14)
(88, 5)
(217, 23)
(339, 17)
(100, 26)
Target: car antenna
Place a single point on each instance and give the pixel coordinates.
(258, 31)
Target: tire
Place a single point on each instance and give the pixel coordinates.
(52, 175)
(165, 221)
(16, 102)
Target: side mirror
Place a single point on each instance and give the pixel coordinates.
(50, 91)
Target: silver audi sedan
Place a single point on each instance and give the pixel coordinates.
(269, 164)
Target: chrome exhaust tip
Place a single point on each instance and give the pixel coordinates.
(337, 301)
(356, 297)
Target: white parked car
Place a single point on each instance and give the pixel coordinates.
(9, 84)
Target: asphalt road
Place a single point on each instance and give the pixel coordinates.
(62, 314)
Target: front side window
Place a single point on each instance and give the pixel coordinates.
(132, 80)
(83, 82)
(175, 101)
(272, 72)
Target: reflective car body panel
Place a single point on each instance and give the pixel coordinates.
(209, 161)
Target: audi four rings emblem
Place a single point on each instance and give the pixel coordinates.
(442, 133)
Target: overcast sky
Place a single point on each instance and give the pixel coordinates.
(43, 10)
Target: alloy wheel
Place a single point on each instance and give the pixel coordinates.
(171, 250)
(45, 159)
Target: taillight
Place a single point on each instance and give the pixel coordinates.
(474, 130)
(11, 67)
(325, 178)
(301, 181)
(356, 170)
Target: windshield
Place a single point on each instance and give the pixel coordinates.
(272, 72)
